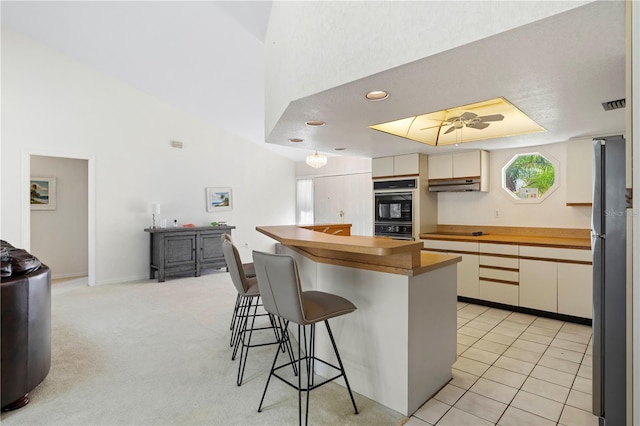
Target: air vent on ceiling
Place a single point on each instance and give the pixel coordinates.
(619, 103)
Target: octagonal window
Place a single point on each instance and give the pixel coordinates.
(530, 177)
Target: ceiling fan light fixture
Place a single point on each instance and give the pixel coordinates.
(296, 140)
(317, 160)
(377, 95)
(315, 123)
(490, 119)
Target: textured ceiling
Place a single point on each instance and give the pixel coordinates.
(557, 70)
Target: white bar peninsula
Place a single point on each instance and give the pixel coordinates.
(399, 345)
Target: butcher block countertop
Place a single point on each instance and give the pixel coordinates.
(571, 238)
(363, 252)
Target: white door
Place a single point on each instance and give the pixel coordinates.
(358, 203)
(345, 199)
(328, 196)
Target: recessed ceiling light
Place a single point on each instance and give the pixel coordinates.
(339, 149)
(295, 140)
(314, 123)
(377, 95)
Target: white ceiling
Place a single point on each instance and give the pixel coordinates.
(557, 70)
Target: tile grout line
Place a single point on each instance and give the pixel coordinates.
(485, 332)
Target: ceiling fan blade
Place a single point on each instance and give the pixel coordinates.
(468, 115)
(493, 117)
(449, 130)
(479, 125)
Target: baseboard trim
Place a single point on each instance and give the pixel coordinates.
(71, 275)
(536, 312)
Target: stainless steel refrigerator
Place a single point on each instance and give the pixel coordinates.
(609, 235)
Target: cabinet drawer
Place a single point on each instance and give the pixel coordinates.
(501, 262)
(497, 292)
(554, 253)
(511, 249)
(499, 274)
(451, 245)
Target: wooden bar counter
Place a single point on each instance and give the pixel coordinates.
(399, 345)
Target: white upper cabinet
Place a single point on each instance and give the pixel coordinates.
(467, 164)
(399, 165)
(458, 165)
(408, 164)
(579, 172)
(440, 166)
(382, 166)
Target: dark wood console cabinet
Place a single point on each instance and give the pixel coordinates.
(180, 250)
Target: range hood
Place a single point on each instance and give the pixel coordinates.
(454, 185)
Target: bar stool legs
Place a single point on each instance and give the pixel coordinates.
(243, 332)
(310, 360)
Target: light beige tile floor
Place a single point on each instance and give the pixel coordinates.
(515, 369)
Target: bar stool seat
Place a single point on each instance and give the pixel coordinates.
(282, 296)
(320, 306)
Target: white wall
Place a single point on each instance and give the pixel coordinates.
(59, 237)
(52, 105)
(478, 208)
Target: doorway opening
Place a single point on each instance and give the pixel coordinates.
(59, 215)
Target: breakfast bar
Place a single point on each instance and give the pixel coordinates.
(399, 345)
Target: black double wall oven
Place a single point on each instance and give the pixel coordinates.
(393, 208)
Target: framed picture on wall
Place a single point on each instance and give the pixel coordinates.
(43, 193)
(218, 199)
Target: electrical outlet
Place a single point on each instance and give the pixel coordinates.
(497, 214)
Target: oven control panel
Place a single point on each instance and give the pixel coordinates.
(394, 230)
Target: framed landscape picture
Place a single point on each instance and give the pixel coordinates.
(218, 199)
(43, 193)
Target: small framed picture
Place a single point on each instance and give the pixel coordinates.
(43, 193)
(219, 199)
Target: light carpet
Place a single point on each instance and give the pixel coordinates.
(158, 353)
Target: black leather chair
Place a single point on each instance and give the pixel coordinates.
(26, 329)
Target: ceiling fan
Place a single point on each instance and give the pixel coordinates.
(468, 119)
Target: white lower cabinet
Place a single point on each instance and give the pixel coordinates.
(467, 268)
(498, 292)
(468, 276)
(539, 285)
(520, 275)
(575, 294)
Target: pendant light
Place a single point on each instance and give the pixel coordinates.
(317, 160)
